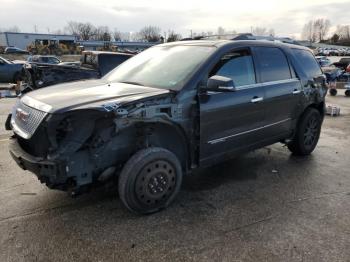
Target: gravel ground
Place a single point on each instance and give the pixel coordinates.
(263, 206)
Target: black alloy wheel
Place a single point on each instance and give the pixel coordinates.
(307, 133)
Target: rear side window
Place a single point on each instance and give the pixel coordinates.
(273, 64)
(307, 62)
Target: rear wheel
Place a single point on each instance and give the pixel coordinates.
(347, 92)
(307, 133)
(150, 180)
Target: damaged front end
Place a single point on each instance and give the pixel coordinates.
(79, 148)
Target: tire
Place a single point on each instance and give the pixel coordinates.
(347, 92)
(333, 92)
(150, 180)
(307, 133)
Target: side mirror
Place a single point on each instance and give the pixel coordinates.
(220, 83)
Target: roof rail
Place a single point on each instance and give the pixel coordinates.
(246, 36)
(249, 36)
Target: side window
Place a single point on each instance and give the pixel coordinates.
(237, 65)
(273, 64)
(307, 62)
(45, 60)
(53, 60)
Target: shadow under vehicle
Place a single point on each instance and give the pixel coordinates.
(167, 111)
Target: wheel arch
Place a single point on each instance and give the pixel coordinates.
(171, 137)
(320, 107)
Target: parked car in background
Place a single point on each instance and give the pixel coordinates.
(167, 111)
(9, 71)
(42, 59)
(94, 64)
(15, 50)
(342, 63)
(323, 61)
(49, 59)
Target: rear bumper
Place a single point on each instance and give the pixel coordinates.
(48, 172)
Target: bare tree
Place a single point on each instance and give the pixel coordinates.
(173, 37)
(101, 33)
(308, 32)
(86, 31)
(343, 31)
(335, 38)
(72, 27)
(316, 30)
(321, 26)
(117, 35)
(150, 33)
(221, 30)
(263, 31)
(259, 31)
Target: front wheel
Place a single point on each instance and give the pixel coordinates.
(347, 92)
(150, 180)
(307, 133)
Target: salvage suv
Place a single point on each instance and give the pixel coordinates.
(168, 110)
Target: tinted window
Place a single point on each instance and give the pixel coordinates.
(307, 62)
(238, 66)
(273, 64)
(44, 60)
(53, 60)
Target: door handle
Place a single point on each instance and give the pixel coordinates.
(256, 99)
(295, 92)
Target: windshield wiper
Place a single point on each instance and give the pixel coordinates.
(132, 83)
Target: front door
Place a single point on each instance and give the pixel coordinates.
(231, 121)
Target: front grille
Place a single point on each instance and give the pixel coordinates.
(25, 120)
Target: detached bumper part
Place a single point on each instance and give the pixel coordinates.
(46, 171)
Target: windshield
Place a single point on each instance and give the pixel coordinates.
(167, 67)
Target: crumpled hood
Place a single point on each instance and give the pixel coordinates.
(86, 94)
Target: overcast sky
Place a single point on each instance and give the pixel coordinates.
(285, 17)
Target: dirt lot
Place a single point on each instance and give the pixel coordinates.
(263, 206)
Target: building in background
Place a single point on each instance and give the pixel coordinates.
(22, 40)
(120, 45)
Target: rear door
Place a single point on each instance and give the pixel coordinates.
(282, 90)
